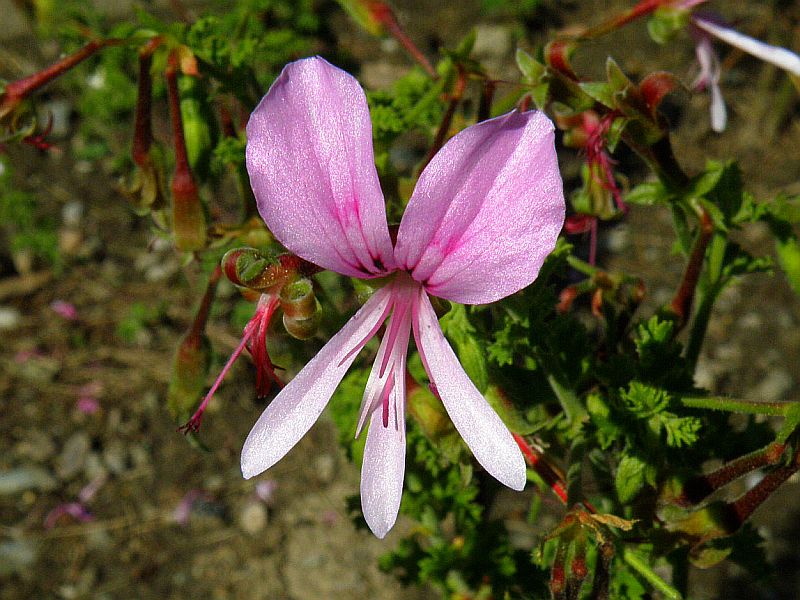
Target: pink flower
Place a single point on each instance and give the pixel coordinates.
(708, 79)
(484, 215)
(703, 27)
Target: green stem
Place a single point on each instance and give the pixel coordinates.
(750, 407)
(711, 286)
(573, 409)
(638, 564)
(791, 423)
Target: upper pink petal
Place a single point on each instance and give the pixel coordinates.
(486, 211)
(309, 155)
(296, 408)
(483, 431)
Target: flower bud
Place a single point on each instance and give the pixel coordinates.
(303, 329)
(189, 373)
(298, 300)
(188, 216)
(252, 269)
(198, 124)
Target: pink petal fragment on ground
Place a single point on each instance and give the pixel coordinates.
(383, 467)
(295, 409)
(65, 310)
(483, 431)
(312, 169)
(486, 210)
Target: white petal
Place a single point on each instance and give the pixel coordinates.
(296, 408)
(780, 57)
(384, 464)
(483, 431)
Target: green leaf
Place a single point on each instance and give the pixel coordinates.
(600, 91)
(666, 22)
(630, 478)
(532, 70)
(647, 194)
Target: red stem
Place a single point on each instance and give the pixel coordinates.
(681, 304)
(643, 8)
(201, 318)
(485, 107)
(142, 128)
(697, 489)
(542, 468)
(444, 126)
(17, 90)
(183, 171)
(750, 501)
(384, 14)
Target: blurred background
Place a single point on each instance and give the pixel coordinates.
(92, 304)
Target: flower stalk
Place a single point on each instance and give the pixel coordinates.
(188, 217)
(17, 91)
(681, 304)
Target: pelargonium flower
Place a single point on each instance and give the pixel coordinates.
(485, 213)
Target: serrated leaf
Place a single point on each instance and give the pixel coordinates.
(630, 477)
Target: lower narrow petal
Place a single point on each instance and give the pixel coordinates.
(296, 408)
(384, 464)
(483, 431)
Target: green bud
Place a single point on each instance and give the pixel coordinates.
(297, 299)
(666, 22)
(198, 124)
(251, 268)
(304, 328)
(189, 374)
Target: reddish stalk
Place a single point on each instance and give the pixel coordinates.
(681, 304)
(485, 106)
(643, 8)
(750, 501)
(384, 15)
(16, 91)
(188, 220)
(699, 488)
(542, 468)
(201, 317)
(444, 126)
(142, 121)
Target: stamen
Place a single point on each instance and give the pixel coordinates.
(193, 424)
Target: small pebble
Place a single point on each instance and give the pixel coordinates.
(73, 456)
(16, 556)
(10, 318)
(773, 387)
(492, 41)
(37, 445)
(25, 478)
(115, 457)
(324, 467)
(253, 517)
